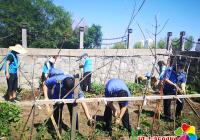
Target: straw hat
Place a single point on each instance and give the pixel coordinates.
(18, 48)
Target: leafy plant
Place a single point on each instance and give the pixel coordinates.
(145, 125)
(9, 114)
(66, 136)
(42, 133)
(98, 88)
(135, 87)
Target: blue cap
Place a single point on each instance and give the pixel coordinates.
(148, 74)
(84, 54)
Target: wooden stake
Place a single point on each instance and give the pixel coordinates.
(74, 113)
(53, 121)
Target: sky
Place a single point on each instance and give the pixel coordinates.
(114, 15)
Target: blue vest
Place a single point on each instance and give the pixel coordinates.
(88, 65)
(113, 87)
(45, 68)
(14, 65)
(54, 86)
(174, 77)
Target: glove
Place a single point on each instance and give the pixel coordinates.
(117, 120)
(91, 122)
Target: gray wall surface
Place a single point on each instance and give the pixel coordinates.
(123, 63)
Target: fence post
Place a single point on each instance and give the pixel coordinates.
(81, 37)
(168, 47)
(24, 36)
(128, 43)
(182, 34)
(74, 112)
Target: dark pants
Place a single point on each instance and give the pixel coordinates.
(87, 81)
(108, 119)
(12, 82)
(58, 108)
(167, 107)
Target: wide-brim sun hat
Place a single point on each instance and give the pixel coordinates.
(18, 48)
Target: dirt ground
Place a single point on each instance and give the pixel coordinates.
(165, 128)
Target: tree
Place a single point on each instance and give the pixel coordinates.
(119, 46)
(45, 22)
(93, 37)
(188, 43)
(138, 45)
(175, 43)
(161, 44)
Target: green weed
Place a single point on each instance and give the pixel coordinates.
(9, 114)
(135, 88)
(98, 88)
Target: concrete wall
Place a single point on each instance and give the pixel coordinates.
(126, 64)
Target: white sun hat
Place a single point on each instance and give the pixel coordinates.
(18, 48)
(52, 60)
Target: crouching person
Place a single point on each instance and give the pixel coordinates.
(117, 88)
(56, 87)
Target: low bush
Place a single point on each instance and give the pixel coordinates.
(98, 88)
(9, 114)
(135, 88)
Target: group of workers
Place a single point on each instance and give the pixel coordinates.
(58, 85)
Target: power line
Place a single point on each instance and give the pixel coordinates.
(113, 43)
(134, 15)
(163, 26)
(114, 38)
(79, 23)
(6, 36)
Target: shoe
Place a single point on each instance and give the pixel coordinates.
(64, 126)
(178, 117)
(167, 118)
(91, 122)
(14, 101)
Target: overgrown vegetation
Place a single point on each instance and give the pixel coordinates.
(98, 88)
(44, 133)
(118, 131)
(135, 88)
(9, 114)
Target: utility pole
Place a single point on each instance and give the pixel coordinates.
(24, 36)
(168, 47)
(181, 47)
(81, 29)
(128, 44)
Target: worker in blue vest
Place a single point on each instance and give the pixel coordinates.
(162, 69)
(87, 69)
(11, 66)
(48, 65)
(174, 83)
(117, 88)
(56, 87)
